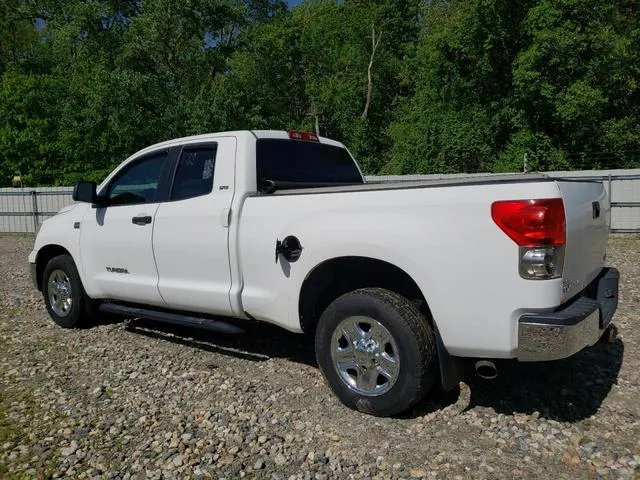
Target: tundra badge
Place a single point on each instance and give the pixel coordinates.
(118, 270)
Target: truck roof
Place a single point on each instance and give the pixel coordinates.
(279, 134)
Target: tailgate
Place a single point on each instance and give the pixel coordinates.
(588, 216)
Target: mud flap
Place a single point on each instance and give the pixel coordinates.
(451, 368)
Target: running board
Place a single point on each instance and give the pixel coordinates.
(171, 317)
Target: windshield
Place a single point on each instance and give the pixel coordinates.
(302, 162)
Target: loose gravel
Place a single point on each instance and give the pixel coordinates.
(139, 400)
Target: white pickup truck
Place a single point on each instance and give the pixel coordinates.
(397, 281)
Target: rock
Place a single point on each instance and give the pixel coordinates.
(97, 392)
(70, 450)
(417, 473)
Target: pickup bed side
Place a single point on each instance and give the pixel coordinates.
(442, 238)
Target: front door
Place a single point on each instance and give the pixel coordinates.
(116, 241)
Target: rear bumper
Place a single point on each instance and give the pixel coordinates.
(572, 326)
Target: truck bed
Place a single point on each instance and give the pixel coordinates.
(440, 182)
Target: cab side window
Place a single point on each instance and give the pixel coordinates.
(194, 175)
(138, 182)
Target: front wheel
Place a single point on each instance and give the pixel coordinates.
(63, 293)
(377, 351)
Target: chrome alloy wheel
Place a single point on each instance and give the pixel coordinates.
(60, 295)
(365, 355)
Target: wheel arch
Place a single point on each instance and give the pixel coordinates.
(333, 277)
(45, 254)
(336, 276)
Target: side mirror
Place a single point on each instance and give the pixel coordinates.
(85, 192)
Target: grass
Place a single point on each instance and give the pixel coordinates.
(7, 434)
(10, 433)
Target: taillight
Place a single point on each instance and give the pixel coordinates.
(539, 228)
(531, 223)
(308, 136)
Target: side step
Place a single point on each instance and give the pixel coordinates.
(171, 317)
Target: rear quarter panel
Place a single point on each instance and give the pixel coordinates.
(443, 237)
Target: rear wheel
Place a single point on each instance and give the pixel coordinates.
(63, 293)
(377, 351)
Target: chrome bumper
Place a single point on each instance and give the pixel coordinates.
(572, 327)
(33, 271)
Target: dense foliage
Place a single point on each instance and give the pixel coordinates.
(410, 86)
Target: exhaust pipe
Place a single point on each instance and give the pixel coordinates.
(609, 335)
(486, 369)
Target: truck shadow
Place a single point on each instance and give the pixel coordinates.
(260, 341)
(567, 390)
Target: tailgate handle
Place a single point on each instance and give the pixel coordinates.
(596, 209)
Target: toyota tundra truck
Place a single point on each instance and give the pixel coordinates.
(398, 282)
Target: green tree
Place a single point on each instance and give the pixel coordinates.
(578, 79)
(555, 80)
(103, 79)
(409, 86)
(334, 67)
(462, 111)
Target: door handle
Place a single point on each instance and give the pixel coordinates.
(595, 208)
(141, 220)
(225, 217)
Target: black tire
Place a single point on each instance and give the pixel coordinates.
(414, 337)
(79, 313)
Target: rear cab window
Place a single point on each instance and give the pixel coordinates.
(194, 175)
(300, 164)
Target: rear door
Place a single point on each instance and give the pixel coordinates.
(588, 215)
(191, 234)
(115, 241)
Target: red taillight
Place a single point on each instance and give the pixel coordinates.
(308, 136)
(531, 223)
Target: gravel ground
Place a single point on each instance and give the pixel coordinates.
(137, 400)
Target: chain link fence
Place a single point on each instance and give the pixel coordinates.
(22, 210)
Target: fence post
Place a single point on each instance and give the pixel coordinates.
(610, 195)
(34, 203)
